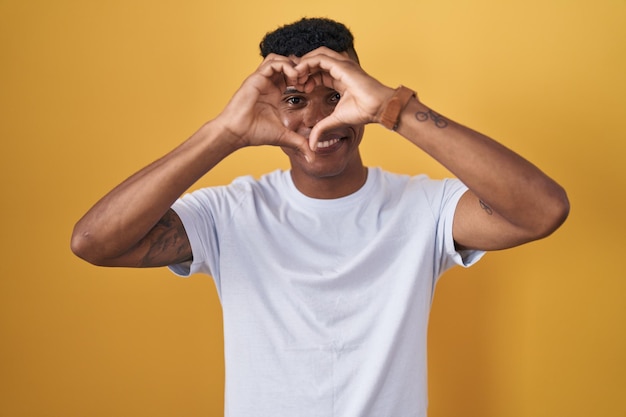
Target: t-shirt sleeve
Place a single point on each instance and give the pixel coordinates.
(197, 216)
(446, 199)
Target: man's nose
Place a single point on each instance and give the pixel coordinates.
(315, 112)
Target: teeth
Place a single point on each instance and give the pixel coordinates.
(326, 143)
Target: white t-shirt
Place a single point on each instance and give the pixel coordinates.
(325, 302)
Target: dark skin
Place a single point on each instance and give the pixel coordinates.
(337, 169)
(315, 108)
(169, 238)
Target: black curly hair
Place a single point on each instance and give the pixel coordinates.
(307, 34)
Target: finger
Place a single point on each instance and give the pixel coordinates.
(312, 81)
(277, 64)
(320, 60)
(319, 71)
(327, 80)
(326, 51)
(297, 142)
(324, 125)
(318, 79)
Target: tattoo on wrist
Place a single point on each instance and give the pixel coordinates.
(423, 116)
(485, 207)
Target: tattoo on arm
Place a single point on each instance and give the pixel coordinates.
(167, 242)
(423, 116)
(485, 207)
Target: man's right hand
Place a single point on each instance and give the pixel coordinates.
(251, 117)
(133, 225)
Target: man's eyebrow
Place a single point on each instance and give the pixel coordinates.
(291, 90)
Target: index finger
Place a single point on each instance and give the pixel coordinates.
(275, 66)
(332, 67)
(320, 78)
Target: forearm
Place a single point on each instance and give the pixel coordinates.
(118, 222)
(502, 180)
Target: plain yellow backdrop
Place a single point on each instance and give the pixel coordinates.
(90, 91)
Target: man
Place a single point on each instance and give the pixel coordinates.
(325, 272)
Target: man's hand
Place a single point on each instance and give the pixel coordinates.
(521, 202)
(362, 96)
(252, 117)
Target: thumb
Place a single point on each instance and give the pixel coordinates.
(299, 143)
(328, 123)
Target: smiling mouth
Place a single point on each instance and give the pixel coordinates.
(327, 143)
(330, 144)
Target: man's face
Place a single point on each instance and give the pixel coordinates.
(337, 151)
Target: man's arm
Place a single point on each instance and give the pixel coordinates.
(509, 202)
(133, 224)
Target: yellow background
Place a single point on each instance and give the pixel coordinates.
(90, 91)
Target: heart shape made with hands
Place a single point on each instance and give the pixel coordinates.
(361, 96)
(306, 84)
(347, 112)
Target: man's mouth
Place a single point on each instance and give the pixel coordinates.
(327, 143)
(330, 144)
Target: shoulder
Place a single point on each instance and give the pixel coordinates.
(237, 190)
(275, 180)
(245, 192)
(415, 194)
(419, 183)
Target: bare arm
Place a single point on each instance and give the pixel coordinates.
(133, 224)
(165, 244)
(509, 202)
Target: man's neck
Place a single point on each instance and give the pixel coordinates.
(330, 187)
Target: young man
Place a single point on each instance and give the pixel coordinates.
(325, 272)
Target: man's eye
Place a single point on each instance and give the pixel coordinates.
(293, 100)
(335, 97)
